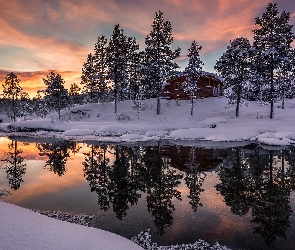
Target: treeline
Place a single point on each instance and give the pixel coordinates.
(117, 70)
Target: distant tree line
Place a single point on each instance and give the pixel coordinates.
(117, 70)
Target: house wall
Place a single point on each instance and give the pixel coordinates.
(208, 86)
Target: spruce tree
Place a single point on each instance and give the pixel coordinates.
(159, 55)
(133, 68)
(193, 72)
(117, 63)
(272, 42)
(285, 78)
(234, 68)
(88, 79)
(12, 92)
(56, 96)
(74, 94)
(100, 67)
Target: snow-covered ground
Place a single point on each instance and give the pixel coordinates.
(211, 122)
(22, 229)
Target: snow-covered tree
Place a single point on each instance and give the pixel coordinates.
(56, 96)
(100, 68)
(159, 56)
(89, 79)
(74, 94)
(193, 72)
(117, 62)
(285, 78)
(39, 105)
(234, 68)
(133, 68)
(272, 42)
(12, 93)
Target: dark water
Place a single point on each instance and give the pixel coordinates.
(242, 197)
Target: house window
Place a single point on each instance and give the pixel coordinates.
(178, 85)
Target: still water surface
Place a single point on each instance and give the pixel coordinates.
(242, 197)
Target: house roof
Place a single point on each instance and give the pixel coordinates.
(204, 73)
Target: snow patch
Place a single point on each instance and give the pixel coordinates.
(77, 132)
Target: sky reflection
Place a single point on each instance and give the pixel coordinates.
(135, 188)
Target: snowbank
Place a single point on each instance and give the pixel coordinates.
(22, 229)
(211, 122)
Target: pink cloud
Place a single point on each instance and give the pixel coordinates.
(59, 34)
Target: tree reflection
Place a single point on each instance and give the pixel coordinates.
(57, 153)
(290, 158)
(14, 166)
(96, 172)
(161, 183)
(255, 179)
(194, 180)
(271, 209)
(120, 183)
(124, 185)
(235, 183)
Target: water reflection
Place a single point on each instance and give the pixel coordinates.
(253, 179)
(14, 166)
(96, 172)
(194, 180)
(57, 153)
(253, 182)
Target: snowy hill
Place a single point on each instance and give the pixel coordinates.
(211, 122)
(23, 229)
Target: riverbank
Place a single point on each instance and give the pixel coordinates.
(212, 121)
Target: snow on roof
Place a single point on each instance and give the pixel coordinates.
(204, 73)
(212, 75)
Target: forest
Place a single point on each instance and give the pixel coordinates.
(118, 70)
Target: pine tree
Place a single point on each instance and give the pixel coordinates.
(272, 42)
(133, 68)
(159, 55)
(234, 68)
(56, 96)
(12, 92)
(100, 67)
(285, 78)
(193, 72)
(89, 79)
(74, 93)
(39, 105)
(117, 62)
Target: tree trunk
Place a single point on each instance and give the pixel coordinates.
(115, 94)
(116, 89)
(238, 101)
(192, 108)
(158, 105)
(271, 91)
(283, 168)
(13, 108)
(283, 99)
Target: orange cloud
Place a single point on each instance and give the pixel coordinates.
(31, 82)
(42, 35)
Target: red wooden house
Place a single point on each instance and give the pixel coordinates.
(209, 85)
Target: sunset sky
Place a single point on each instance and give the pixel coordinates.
(38, 36)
